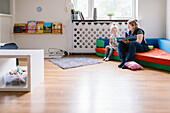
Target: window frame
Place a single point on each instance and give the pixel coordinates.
(7, 14)
(91, 7)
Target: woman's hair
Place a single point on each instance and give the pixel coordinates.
(113, 26)
(133, 22)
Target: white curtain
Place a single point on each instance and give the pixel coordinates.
(74, 3)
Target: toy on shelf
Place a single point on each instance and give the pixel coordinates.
(47, 27)
(16, 77)
(32, 26)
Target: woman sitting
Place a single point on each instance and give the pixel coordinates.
(131, 46)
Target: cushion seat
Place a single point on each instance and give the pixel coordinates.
(102, 50)
(158, 58)
(156, 55)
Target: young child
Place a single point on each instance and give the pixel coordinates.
(112, 43)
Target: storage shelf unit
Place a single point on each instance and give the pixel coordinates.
(35, 68)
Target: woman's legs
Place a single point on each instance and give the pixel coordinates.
(133, 48)
(122, 48)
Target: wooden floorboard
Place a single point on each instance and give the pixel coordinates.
(99, 88)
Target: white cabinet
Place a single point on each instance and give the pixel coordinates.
(35, 68)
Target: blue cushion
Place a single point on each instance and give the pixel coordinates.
(164, 44)
(153, 41)
(9, 46)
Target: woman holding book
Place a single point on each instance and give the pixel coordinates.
(138, 45)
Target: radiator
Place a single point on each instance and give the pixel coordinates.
(84, 34)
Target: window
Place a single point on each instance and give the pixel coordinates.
(83, 7)
(122, 9)
(4, 6)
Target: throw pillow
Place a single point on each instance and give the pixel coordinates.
(133, 65)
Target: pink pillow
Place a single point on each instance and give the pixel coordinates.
(133, 65)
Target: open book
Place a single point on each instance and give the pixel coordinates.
(131, 38)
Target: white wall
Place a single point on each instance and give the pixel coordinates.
(5, 28)
(0, 29)
(6, 22)
(152, 17)
(168, 19)
(52, 11)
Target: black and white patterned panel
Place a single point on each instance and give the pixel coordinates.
(86, 33)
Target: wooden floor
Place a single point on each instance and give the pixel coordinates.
(99, 88)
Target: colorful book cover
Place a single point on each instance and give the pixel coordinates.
(32, 26)
(20, 28)
(72, 14)
(47, 27)
(57, 28)
(39, 27)
(82, 17)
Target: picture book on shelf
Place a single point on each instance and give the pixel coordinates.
(81, 16)
(47, 27)
(76, 15)
(72, 14)
(39, 27)
(57, 28)
(20, 28)
(131, 38)
(32, 26)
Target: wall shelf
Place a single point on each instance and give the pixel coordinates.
(36, 33)
(37, 27)
(99, 20)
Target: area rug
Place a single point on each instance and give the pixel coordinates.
(73, 62)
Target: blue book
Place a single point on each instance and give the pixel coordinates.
(131, 38)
